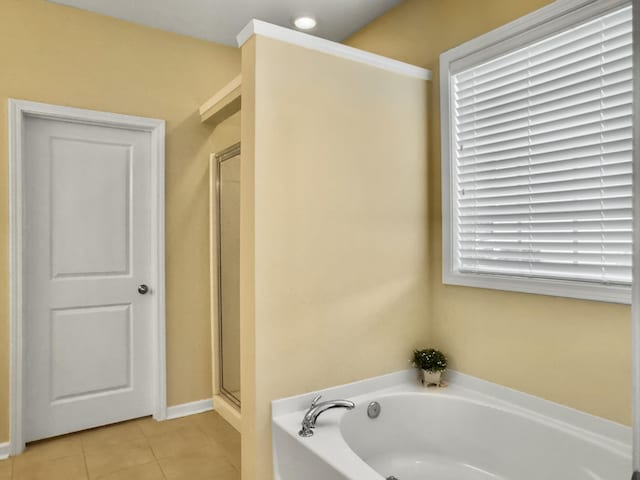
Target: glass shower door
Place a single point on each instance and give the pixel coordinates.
(228, 219)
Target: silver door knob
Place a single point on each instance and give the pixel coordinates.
(142, 289)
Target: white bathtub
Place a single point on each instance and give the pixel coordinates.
(471, 430)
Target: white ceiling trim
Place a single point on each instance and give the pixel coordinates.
(258, 27)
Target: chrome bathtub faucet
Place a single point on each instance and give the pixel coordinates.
(309, 420)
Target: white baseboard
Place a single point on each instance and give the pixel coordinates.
(190, 408)
(5, 449)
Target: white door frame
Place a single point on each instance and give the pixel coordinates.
(18, 110)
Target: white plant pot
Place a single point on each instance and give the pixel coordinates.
(431, 378)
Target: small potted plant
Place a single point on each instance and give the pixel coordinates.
(431, 363)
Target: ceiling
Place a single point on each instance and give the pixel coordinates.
(221, 20)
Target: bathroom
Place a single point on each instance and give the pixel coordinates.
(341, 221)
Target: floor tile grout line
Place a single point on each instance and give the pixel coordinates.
(84, 454)
(222, 445)
(228, 455)
(144, 434)
(84, 459)
(164, 475)
(162, 471)
(153, 452)
(101, 446)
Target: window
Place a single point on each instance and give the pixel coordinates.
(537, 154)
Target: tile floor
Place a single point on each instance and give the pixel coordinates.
(198, 447)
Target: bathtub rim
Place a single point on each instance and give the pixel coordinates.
(563, 416)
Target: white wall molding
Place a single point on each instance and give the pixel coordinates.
(257, 27)
(5, 450)
(191, 408)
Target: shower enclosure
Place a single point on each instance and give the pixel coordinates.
(228, 271)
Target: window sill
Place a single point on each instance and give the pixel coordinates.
(557, 288)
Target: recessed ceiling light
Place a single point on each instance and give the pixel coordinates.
(305, 22)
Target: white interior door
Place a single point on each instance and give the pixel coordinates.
(88, 331)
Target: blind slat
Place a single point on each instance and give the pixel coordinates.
(592, 146)
(547, 206)
(611, 278)
(574, 214)
(528, 176)
(594, 271)
(578, 179)
(550, 215)
(546, 164)
(612, 224)
(609, 259)
(553, 237)
(584, 245)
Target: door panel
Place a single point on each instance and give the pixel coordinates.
(89, 340)
(88, 332)
(104, 171)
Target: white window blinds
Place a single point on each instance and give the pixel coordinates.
(542, 157)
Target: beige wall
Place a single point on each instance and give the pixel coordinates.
(227, 132)
(569, 351)
(60, 55)
(334, 228)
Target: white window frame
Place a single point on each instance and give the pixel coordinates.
(540, 24)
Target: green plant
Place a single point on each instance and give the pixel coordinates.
(430, 359)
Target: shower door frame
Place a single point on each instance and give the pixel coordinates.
(220, 157)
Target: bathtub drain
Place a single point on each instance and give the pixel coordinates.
(373, 411)
(391, 477)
